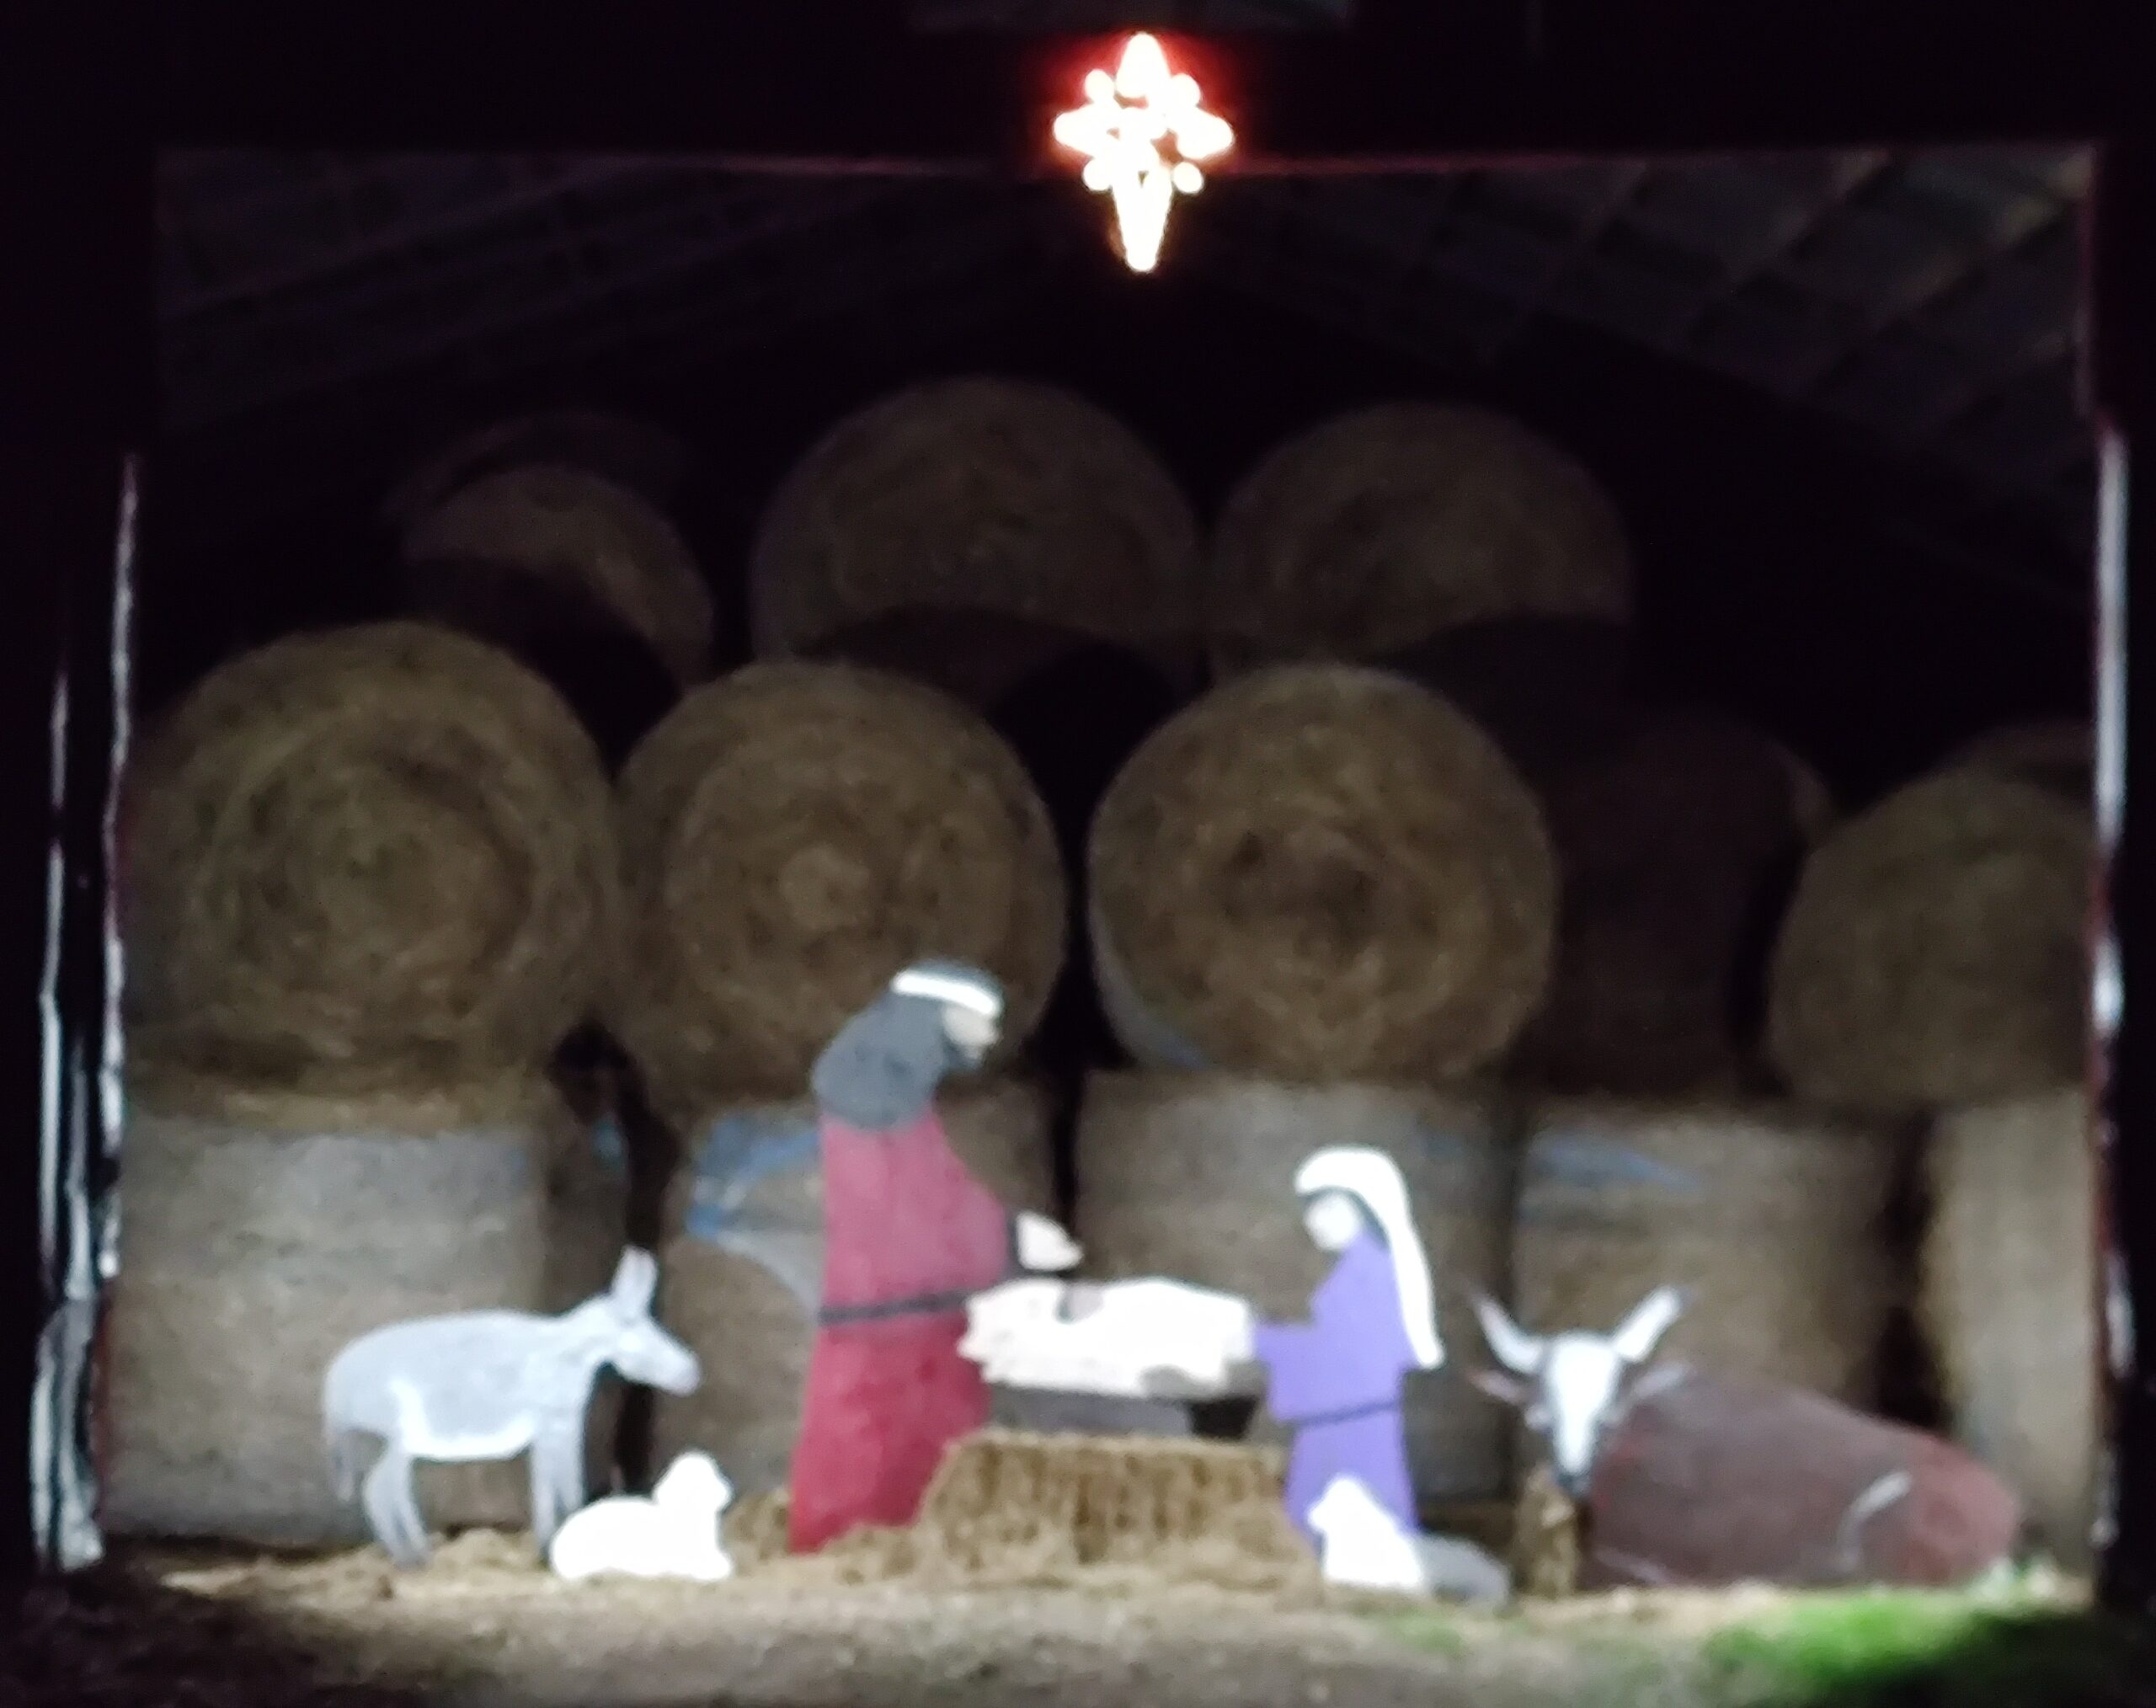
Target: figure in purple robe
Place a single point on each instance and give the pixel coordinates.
(1336, 1380)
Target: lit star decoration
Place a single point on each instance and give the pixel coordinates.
(1143, 131)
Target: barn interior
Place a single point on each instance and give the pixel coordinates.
(1713, 936)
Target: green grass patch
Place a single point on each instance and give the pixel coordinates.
(1431, 1631)
(1944, 1651)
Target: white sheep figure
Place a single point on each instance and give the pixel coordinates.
(1362, 1546)
(673, 1534)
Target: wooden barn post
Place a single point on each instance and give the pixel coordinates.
(75, 366)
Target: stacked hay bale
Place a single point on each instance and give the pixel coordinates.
(976, 495)
(1192, 1176)
(546, 537)
(1773, 1219)
(1379, 529)
(370, 884)
(1320, 874)
(1934, 953)
(750, 1334)
(2010, 1286)
(1678, 846)
(1017, 547)
(1934, 966)
(792, 836)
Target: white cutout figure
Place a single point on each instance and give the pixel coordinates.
(674, 1533)
(1044, 1248)
(1135, 1339)
(1570, 1385)
(1361, 1545)
(488, 1385)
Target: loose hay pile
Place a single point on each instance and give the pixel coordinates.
(381, 855)
(568, 524)
(1774, 1221)
(1192, 1176)
(1008, 1509)
(1677, 848)
(1381, 528)
(1935, 952)
(793, 835)
(1321, 874)
(984, 494)
(2010, 1286)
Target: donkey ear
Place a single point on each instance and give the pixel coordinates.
(636, 1280)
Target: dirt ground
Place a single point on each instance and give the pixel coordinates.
(483, 1627)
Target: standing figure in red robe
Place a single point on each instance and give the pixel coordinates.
(908, 1236)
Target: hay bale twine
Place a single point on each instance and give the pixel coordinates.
(1678, 847)
(1777, 1222)
(2010, 1288)
(567, 526)
(749, 1332)
(638, 455)
(263, 1233)
(1192, 1175)
(793, 835)
(1380, 528)
(1936, 950)
(1319, 873)
(981, 493)
(2055, 754)
(374, 857)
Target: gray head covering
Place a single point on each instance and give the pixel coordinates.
(883, 1068)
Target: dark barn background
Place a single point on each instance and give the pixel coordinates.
(1835, 395)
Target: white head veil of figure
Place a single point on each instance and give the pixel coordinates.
(1373, 1179)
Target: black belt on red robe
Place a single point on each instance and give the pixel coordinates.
(920, 1305)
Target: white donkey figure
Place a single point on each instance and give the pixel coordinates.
(490, 1384)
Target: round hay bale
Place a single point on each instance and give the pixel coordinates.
(1321, 874)
(569, 527)
(1192, 1175)
(646, 459)
(373, 857)
(2009, 1302)
(1380, 528)
(1776, 1222)
(981, 494)
(793, 835)
(750, 1334)
(1678, 847)
(264, 1233)
(1936, 950)
(2056, 753)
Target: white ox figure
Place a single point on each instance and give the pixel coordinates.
(1150, 1338)
(674, 1533)
(1569, 1384)
(1362, 1546)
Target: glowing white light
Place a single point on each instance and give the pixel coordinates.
(1143, 131)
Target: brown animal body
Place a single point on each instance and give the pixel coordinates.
(1704, 1479)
